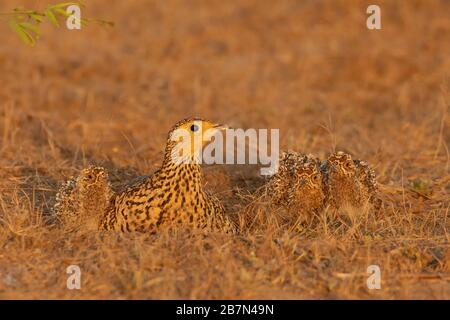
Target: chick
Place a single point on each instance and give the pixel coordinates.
(82, 200)
(349, 183)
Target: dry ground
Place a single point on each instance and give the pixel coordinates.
(310, 68)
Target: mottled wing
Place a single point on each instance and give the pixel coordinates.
(367, 177)
(66, 200)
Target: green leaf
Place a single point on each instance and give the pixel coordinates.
(37, 17)
(422, 187)
(51, 17)
(62, 12)
(21, 17)
(30, 27)
(23, 34)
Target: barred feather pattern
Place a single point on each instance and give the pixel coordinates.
(173, 195)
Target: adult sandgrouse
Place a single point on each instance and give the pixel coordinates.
(174, 193)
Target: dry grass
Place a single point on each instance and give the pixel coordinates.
(310, 68)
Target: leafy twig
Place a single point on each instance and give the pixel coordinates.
(26, 23)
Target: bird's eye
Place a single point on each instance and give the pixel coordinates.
(194, 128)
(90, 176)
(348, 164)
(316, 178)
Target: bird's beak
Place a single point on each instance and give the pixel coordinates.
(213, 130)
(221, 126)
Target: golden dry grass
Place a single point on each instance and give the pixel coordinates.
(310, 68)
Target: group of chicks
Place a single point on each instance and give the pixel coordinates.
(174, 194)
(306, 186)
